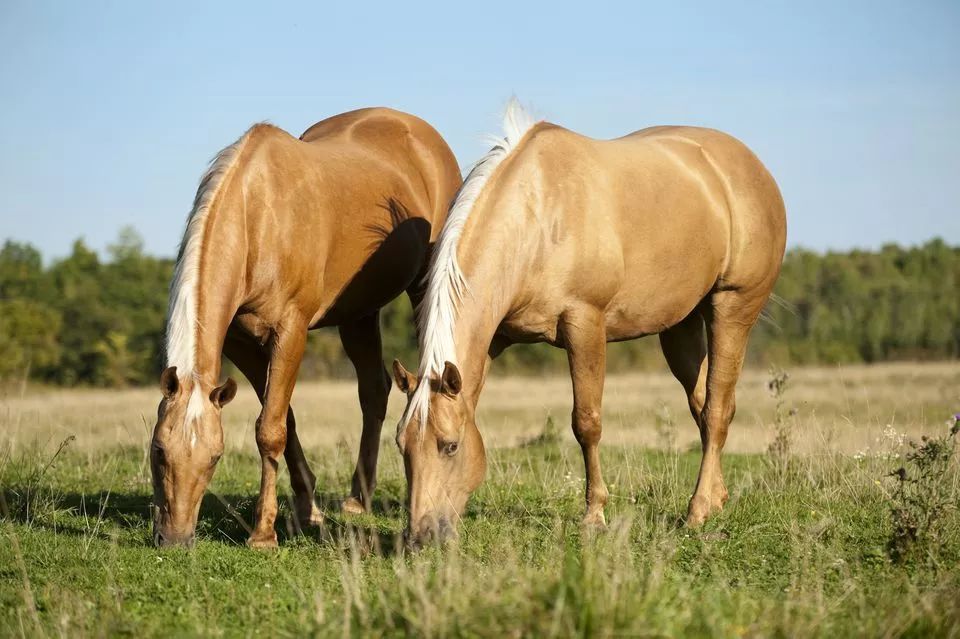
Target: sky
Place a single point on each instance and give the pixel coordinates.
(109, 111)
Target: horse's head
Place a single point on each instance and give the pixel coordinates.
(187, 444)
(444, 458)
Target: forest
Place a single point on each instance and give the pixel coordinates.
(98, 320)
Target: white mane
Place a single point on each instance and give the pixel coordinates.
(445, 282)
(181, 342)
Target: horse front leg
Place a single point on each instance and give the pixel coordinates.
(253, 361)
(286, 352)
(584, 336)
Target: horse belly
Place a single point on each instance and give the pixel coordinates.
(386, 273)
(657, 294)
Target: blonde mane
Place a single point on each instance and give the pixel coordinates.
(445, 282)
(182, 323)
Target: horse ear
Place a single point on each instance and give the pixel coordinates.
(406, 381)
(169, 384)
(450, 382)
(221, 395)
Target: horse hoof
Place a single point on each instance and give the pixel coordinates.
(352, 506)
(595, 521)
(309, 515)
(700, 510)
(263, 543)
(695, 520)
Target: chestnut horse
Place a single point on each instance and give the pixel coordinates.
(558, 238)
(286, 235)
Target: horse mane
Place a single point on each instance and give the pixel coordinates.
(445, 281)
(182, 322)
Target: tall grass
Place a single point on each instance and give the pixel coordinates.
(797, 553)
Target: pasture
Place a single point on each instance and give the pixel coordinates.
(800, 550)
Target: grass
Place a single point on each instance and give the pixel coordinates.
(800, 551)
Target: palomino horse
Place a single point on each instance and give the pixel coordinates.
(287, 235)
(558, 238)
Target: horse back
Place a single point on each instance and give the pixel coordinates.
(648, 224)
(403, 141)
(340, 221)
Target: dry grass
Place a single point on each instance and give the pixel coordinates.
(845, 408)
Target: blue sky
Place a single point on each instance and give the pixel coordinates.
(109, 111)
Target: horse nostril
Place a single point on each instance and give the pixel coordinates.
(161, 541)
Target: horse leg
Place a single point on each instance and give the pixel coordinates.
(685, 349)
(361, 340)
(286, 351)
(252, 361)
(584, 337)
(730, 315)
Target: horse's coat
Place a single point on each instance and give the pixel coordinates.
(288, 234)
(577, 242)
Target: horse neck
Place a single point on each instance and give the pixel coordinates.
(219, 301)
(494, 254)
(219, 280)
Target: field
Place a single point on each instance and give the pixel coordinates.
(800, 550)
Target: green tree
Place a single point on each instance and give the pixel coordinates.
(28, 338)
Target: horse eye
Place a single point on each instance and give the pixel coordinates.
(450, 448)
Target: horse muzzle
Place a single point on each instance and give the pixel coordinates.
(430, 530)
(165, 537)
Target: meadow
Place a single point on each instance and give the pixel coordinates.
(801, 549)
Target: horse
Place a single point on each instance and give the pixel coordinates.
(286, 235)
(559, 238)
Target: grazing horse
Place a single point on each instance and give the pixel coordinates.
(558, 238)
(286, 235)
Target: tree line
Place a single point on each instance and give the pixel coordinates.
(90, 320)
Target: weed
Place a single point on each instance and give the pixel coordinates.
(922, 496)
(666, 427)
(779, 450)
(549, 436)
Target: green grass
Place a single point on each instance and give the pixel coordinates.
(800, 553)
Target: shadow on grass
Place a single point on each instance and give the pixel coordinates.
(223, 518)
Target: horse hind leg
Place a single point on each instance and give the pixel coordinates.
(730, 316)
(362, 342)
(685, 349)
